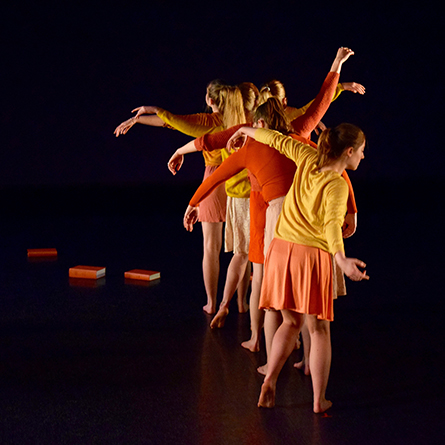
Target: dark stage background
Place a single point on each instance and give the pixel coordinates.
(71, 74)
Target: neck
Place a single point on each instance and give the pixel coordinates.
(336, 166)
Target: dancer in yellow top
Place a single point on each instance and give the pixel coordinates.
(298, 268)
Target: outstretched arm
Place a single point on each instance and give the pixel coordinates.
(145, 115)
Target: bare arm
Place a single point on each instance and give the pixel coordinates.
(343, 54)
(177, 159)
(145, 115)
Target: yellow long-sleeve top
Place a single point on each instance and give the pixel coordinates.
(314, 208)
(197, 125)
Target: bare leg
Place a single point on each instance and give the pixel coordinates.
(242, 289)
(272, 321)
(212, 233)
(319, 360)
(306, 340)
(282, 346)
(256, 314)
(235, 273)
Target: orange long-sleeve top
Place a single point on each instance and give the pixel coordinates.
(273, 171)
(306, 123)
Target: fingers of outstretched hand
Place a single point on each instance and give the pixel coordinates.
(354, 87)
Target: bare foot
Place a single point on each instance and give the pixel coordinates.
(220, 318)
(253, 345)
(209, 309)
(262, 369)
(303, 367)
(322, 406)
(267, 396)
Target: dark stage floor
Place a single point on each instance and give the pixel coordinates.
(122, 363)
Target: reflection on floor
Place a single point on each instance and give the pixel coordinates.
(116, 362)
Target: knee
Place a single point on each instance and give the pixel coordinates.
(318, 327)
(212, 245)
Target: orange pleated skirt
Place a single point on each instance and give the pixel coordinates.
(298, 278)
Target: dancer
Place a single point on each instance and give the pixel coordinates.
(298, 268)
(268, 117)
(271, 173)
(227, 110)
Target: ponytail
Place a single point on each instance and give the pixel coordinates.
(229, 101)
(274, 88)
(273, 114)
(250, 95)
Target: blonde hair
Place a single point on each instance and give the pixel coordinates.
(333, 141)
(273, 114)
(229, 101)
(274, 88)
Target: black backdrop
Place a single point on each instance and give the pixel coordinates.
(70, 75)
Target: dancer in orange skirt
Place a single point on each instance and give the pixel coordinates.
(226, 104)
(298, 276)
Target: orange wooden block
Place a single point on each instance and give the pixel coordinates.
(91, 272)
(42, 252)
(144, 275)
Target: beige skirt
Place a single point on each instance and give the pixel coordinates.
(237, 233)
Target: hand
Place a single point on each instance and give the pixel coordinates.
(320, 128)
(343, 54)
(237, 140)
(175, 162)
(350, 225)
(124, 126)
(145, 110)
(190, 217)
(354, 87)
(350, 266)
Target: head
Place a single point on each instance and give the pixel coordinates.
(212, 93)
(271, 115)
(226, 100)
(346, 141)
(250, 95)
(273, 88)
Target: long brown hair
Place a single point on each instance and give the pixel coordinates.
(250, 95)
(273, 114)
(333, 141)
